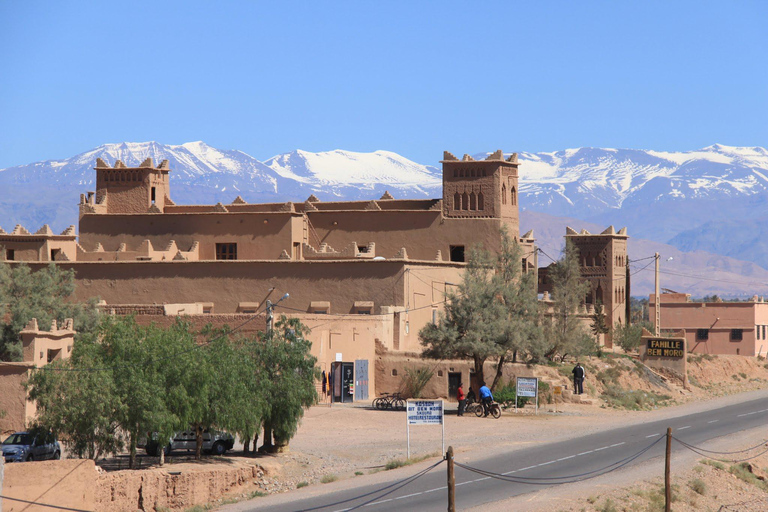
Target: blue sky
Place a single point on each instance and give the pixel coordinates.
(411, 77)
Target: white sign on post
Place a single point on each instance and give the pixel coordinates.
(527, 387)
(424, 412)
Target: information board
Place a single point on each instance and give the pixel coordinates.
(661, 347)
(527, 386)
(425, 412)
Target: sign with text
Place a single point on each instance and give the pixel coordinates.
(664, 347)
(527, 386)
(425, 412)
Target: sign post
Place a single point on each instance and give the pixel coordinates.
(527, 387)
(424, 412)
(558, 392)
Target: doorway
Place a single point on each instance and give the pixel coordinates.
(454, 379)
(343, 378)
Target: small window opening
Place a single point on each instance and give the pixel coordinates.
(226, 251)
(394, 372)
(737, 334)
(702, 334)
(10, 254)
(457, 253)
(54, 253)
(152, 193)
(439, 373)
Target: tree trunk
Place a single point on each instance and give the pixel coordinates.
(162, 455)
(247, 445)
(255, 438)
(267, 445)
(514, 356)
(499, 371)
(479, 376)
(198, 442)
(134, 437)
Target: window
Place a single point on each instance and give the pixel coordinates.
(226, 251)
(457, 253)
(10, 254)
(153, 194)
(702, 334)
(394, 372)
(737, 334)
(54, 253)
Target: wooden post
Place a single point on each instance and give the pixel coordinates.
(451, 481)
(2, 467)
(667, 475)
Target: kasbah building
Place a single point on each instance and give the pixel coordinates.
(364, 276)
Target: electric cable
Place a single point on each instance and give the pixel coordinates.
(57, 507)
(763, 443)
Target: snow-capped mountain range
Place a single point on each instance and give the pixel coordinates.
(693, 200)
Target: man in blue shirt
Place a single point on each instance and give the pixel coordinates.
(486, 397)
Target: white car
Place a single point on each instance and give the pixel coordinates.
(214, 442)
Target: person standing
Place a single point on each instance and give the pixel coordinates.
(578, 379)
(486, 397)
(462, 398)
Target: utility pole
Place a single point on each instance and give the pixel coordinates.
(451, 480)
(271, 311)
(657, 300)
(667, 473)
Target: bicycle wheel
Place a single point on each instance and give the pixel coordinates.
(479, 410)
(399, 405)
(377, 403)
(496, 411)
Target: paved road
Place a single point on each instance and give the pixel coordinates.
(573, 457)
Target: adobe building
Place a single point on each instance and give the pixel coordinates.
(38, 348)
(738, 328)
(365, 276)
(603, 264)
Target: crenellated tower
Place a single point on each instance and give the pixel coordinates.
(482, 188)
(122, 189)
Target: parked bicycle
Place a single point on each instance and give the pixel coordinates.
(494, 409)
(392, 401)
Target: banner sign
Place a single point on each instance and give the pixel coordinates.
(425, 412)
(527, 386)
(664, 347)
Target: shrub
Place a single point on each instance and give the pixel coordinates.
(743, 471)
(608, 506)
(415, 380)
(698, 486)
(302, 484)
(506, 396)
(329, 478)
(743, 375)
(633, 400)
(715, 464)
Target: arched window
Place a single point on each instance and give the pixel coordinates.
(457, 201)
(472, 201)
(599, 294)
(480, 201)
(503, 194)
(513, 197)
(465, 201)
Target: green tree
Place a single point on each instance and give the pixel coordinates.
(629, 336)
(518, 328)
(288, 373)
(598, 322)
(568, 335)
(46, 295)
(471, 324)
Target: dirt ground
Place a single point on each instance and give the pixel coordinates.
(345, 441)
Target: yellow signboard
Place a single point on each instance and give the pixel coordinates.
(558, 390)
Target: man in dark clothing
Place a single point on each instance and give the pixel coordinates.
(461, 398)
(578, 379)
(486, 398)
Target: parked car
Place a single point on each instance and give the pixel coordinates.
(25, 446)
(214, 442)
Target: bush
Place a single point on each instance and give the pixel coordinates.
(506, 396)
(329, 478)
(628, 336)
(634, 400)
(415, 380)
(302, 484)
(698, 486)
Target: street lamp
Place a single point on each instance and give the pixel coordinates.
(271, 311)
(657, 298)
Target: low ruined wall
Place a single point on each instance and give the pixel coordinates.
(124, 491)
(79, 484)
(63, 483)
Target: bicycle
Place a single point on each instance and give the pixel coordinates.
(494, 409)
(392, 401)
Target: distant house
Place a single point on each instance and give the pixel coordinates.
(739, 328)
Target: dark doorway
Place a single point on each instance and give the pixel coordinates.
(343, 377)
(454, 379)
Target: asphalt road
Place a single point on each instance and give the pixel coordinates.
(578, 456)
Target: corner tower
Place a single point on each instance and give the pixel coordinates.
(603, 261)
(122, 189)
(482, 188)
